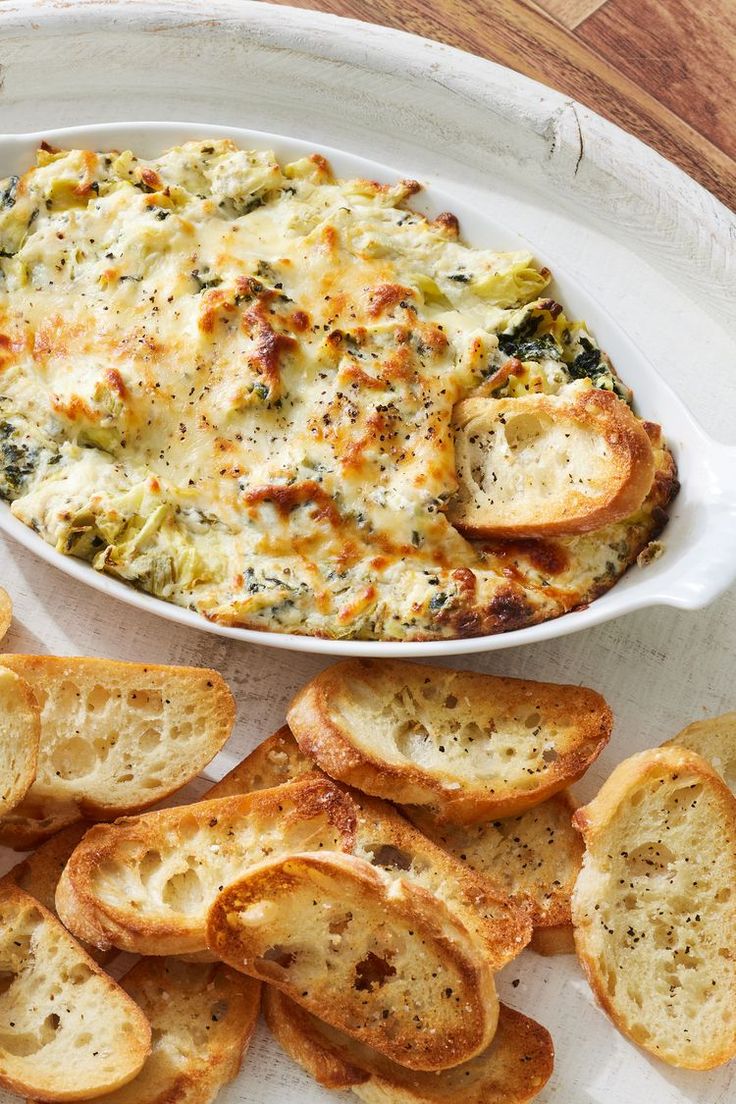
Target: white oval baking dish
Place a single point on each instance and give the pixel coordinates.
(699, 560)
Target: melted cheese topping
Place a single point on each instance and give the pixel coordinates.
(231, 383)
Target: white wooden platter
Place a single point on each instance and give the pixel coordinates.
(641, 236)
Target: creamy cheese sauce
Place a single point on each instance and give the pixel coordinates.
(231, 382)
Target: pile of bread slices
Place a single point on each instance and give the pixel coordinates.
(362, 875)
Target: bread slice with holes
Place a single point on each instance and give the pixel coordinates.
(470, 747)
(548, 465)
(384, 838)
(145, 884)
(534, 857)
(715, 739)
(38, 874)
(6, 612)
(203, 1016)
(274, 762)
(513, 1069)
(654, 907)
(67, 1030)
(20, 729)
(382, 960)
(115, 738)
(388, 842)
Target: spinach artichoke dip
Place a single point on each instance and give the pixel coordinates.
(231, 383)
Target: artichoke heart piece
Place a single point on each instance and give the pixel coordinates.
(431, 292)
(153, 571)
(117, 528)
(240, 610)
(159, 569)
(511, 286)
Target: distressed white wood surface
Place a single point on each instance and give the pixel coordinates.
(643, 237)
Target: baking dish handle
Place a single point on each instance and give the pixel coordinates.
(709, 568)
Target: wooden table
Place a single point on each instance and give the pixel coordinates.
(661, 69)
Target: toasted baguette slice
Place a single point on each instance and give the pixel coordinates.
(20, 729)
(512, 1070)
(203, 1016)
(6, 612)
(115, 738)
(145, 884)
(274, 762)
(385, 839)
(470, 747)
(38, 874)
(67, 1031)
(534, 856)
(33, 821)
(715, 739)
(401, 853)
(546, 465)
(654, 907)
(384, 961)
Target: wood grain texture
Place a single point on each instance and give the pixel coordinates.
(682, 52)
(514, 34)
(569, 13)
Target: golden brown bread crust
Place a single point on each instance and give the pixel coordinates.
(203, 1017)
(20, 736)
(633, 774)
(6, 612)
(534, 858)
(62, 793)
(109, 921)
(274, 762)
(715, 739)
(544, 579)
(50, 972)
(600, 413)
(369, 828)
(624, 799)
(313, 717)
(38, 874)
(232, 1002)
(403, 977)
(513, 1069)
(385, 838)
(298, 1033)
(502, 923)
(37, 823)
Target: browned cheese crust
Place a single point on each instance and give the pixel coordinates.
(230, 382)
